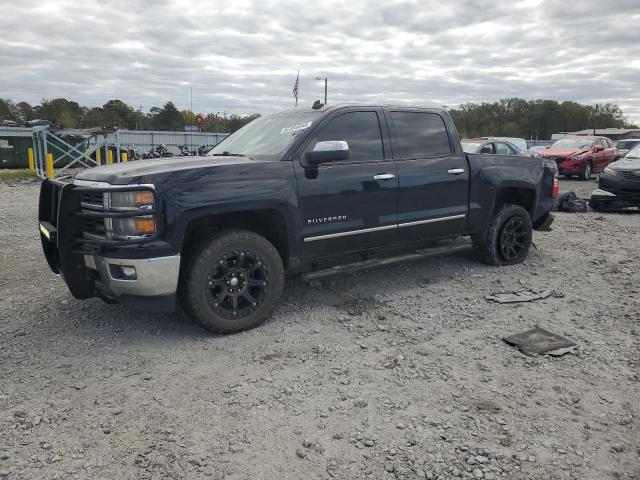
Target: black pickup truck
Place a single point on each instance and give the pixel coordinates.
(293, 192)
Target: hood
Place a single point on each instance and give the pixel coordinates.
(124, 173)
(625, 164)
(561, 153)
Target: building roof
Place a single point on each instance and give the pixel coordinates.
(604, 131)
(21, 131)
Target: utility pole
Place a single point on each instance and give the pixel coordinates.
(325, 87)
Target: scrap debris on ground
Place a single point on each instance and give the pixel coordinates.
(571, 203)
(539, 341)
(517, 297)
(388, 374)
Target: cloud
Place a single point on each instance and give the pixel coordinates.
(242, 56)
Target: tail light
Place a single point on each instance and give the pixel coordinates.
(556, 187)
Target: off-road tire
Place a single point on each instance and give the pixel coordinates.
(489, 245)
(195, 292)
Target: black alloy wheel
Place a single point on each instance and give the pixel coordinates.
(513, 239)
(237, 284)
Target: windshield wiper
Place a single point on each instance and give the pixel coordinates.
(227, 154)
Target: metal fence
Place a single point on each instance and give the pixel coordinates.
(146, 140)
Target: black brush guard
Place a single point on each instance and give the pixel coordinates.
(61, 232)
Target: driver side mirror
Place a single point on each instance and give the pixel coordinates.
(329, 151)
(599, 148)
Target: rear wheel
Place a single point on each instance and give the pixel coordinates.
(508, 239)
(232, 282)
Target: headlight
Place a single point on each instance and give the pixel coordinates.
(609, 172)
(133, 226)
(142, 201)
(576, 157)
(135, 200)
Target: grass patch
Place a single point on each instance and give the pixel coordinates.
(6, 174)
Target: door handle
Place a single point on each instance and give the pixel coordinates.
(384, 176)
(455, 171)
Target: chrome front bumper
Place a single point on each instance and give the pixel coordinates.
(154, 276)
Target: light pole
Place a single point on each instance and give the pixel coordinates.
(325, 87)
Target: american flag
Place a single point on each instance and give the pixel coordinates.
(295, 87)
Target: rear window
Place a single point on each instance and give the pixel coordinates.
(420, 134)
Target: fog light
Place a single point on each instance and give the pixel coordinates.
(129, 272)
(123, 272)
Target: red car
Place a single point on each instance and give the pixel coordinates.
(581, 156)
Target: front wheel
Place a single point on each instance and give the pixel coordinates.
(508, 238)
(232, 282)
(588, 169)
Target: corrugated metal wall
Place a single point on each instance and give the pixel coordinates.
(145, 140)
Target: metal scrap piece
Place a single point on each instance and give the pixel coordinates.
(515, 297)
(540, 341)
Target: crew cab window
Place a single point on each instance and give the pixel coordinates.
(420, 134)
(502, 149)
(361, 130)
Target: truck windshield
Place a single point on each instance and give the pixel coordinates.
(266, 138)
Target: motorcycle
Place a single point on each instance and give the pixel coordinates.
(186, 151)
(157, 152)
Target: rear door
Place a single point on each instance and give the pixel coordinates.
(349, 204)
(434, 178)
(610, 151)
(599, 157)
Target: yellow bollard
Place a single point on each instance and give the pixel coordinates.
(109, 157)
(49, 165)
(125, 157)
(32, 162)
(98, 157)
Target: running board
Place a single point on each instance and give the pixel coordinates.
(450, 247)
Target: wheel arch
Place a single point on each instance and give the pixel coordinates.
(269, 223)
(521, 195)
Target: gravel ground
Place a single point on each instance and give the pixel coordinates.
(399, 373)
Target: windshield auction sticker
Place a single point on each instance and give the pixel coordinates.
(295, 128)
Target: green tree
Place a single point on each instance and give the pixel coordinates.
(167, 118)
(8, 110)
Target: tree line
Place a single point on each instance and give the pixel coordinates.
(534, 119)
(511, 117)
(66, 114)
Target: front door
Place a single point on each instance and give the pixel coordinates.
(350, 204)
(434, 178)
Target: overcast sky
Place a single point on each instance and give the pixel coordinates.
(242, 56)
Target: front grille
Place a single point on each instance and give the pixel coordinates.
(630, 174)
(92, 200)
(94, 226)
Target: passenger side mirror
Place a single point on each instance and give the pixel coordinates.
(329, 151)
